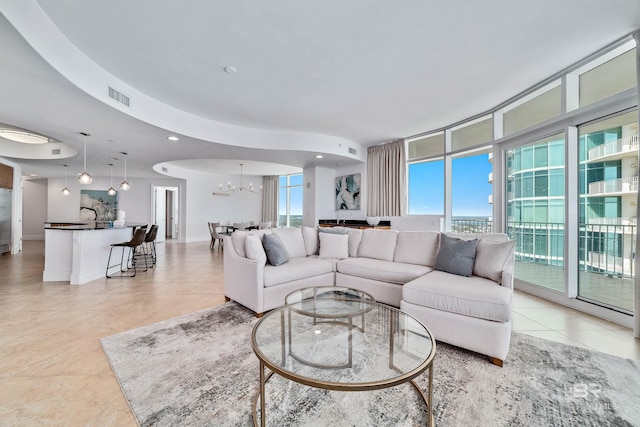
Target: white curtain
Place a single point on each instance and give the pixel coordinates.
(270, 198)
(386, 179)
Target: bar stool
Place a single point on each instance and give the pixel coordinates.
(133, 244)
(150, 243)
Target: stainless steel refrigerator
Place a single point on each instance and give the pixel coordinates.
(5, 220)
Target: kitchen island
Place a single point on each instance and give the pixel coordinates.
(78, 252)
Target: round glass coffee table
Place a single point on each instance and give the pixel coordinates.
(328, 305)
(314, 341)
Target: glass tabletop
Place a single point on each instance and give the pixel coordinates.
(393, 348)
(329, 301)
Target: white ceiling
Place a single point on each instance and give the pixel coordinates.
(365, 71)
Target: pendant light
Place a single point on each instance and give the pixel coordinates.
(125, 186)
(65, 190)
(111, 191)
(84, 177)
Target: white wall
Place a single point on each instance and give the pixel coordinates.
(202, 206)
(136, 202)
(319, 195)
(197, 203)
(34, 208)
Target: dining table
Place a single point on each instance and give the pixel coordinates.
(230, 228)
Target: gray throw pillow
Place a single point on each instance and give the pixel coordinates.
(456, 256)
(274, 248)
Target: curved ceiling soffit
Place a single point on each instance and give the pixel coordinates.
(49, 151)
(45, 38)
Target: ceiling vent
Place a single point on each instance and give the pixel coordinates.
(120, 97)
(55, 152)
(353, 151)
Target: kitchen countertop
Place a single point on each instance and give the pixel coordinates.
(97, 225)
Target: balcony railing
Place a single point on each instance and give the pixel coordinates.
(613, 221)
(607, 249)
(622, 145)
(471, 226)
(620, 185)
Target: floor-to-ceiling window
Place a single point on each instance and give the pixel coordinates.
(426, 187)
(535, 210)
(608, 180)
(563, 182)
(472, 192)
(290, 201)
(426, 175)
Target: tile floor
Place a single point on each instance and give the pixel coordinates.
(52, 368)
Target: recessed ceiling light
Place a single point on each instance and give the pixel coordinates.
(173, 138)
(230, 70)
(33, 175)
(23, 137)
(318, 156)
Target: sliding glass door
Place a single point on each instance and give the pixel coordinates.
(608, 151)
(535, 210)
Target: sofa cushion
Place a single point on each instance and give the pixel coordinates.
(253, 248)
(296, 269)
(385, 271)
(333, 230)
(292, 240)
(355, 237)
(334, 246)
(456, 256)
(311, 243)
(492, 258)
(274, 248)
(417, 247)
(470, 296)
(238, 237)
(378, 244)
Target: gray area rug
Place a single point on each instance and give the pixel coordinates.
(199, 369)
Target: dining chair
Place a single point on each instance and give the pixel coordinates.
(215, 235)
(265, 225)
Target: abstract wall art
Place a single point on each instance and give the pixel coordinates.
(97, 205)
(348, 192)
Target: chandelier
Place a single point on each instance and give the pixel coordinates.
(233, 189)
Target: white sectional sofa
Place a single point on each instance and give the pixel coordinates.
(396, 268)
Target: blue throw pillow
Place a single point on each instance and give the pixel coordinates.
(274, 248)
(456, 256)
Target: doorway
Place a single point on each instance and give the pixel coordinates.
(165, 212)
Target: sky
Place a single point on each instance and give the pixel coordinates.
(470, 187)
(470, 191)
